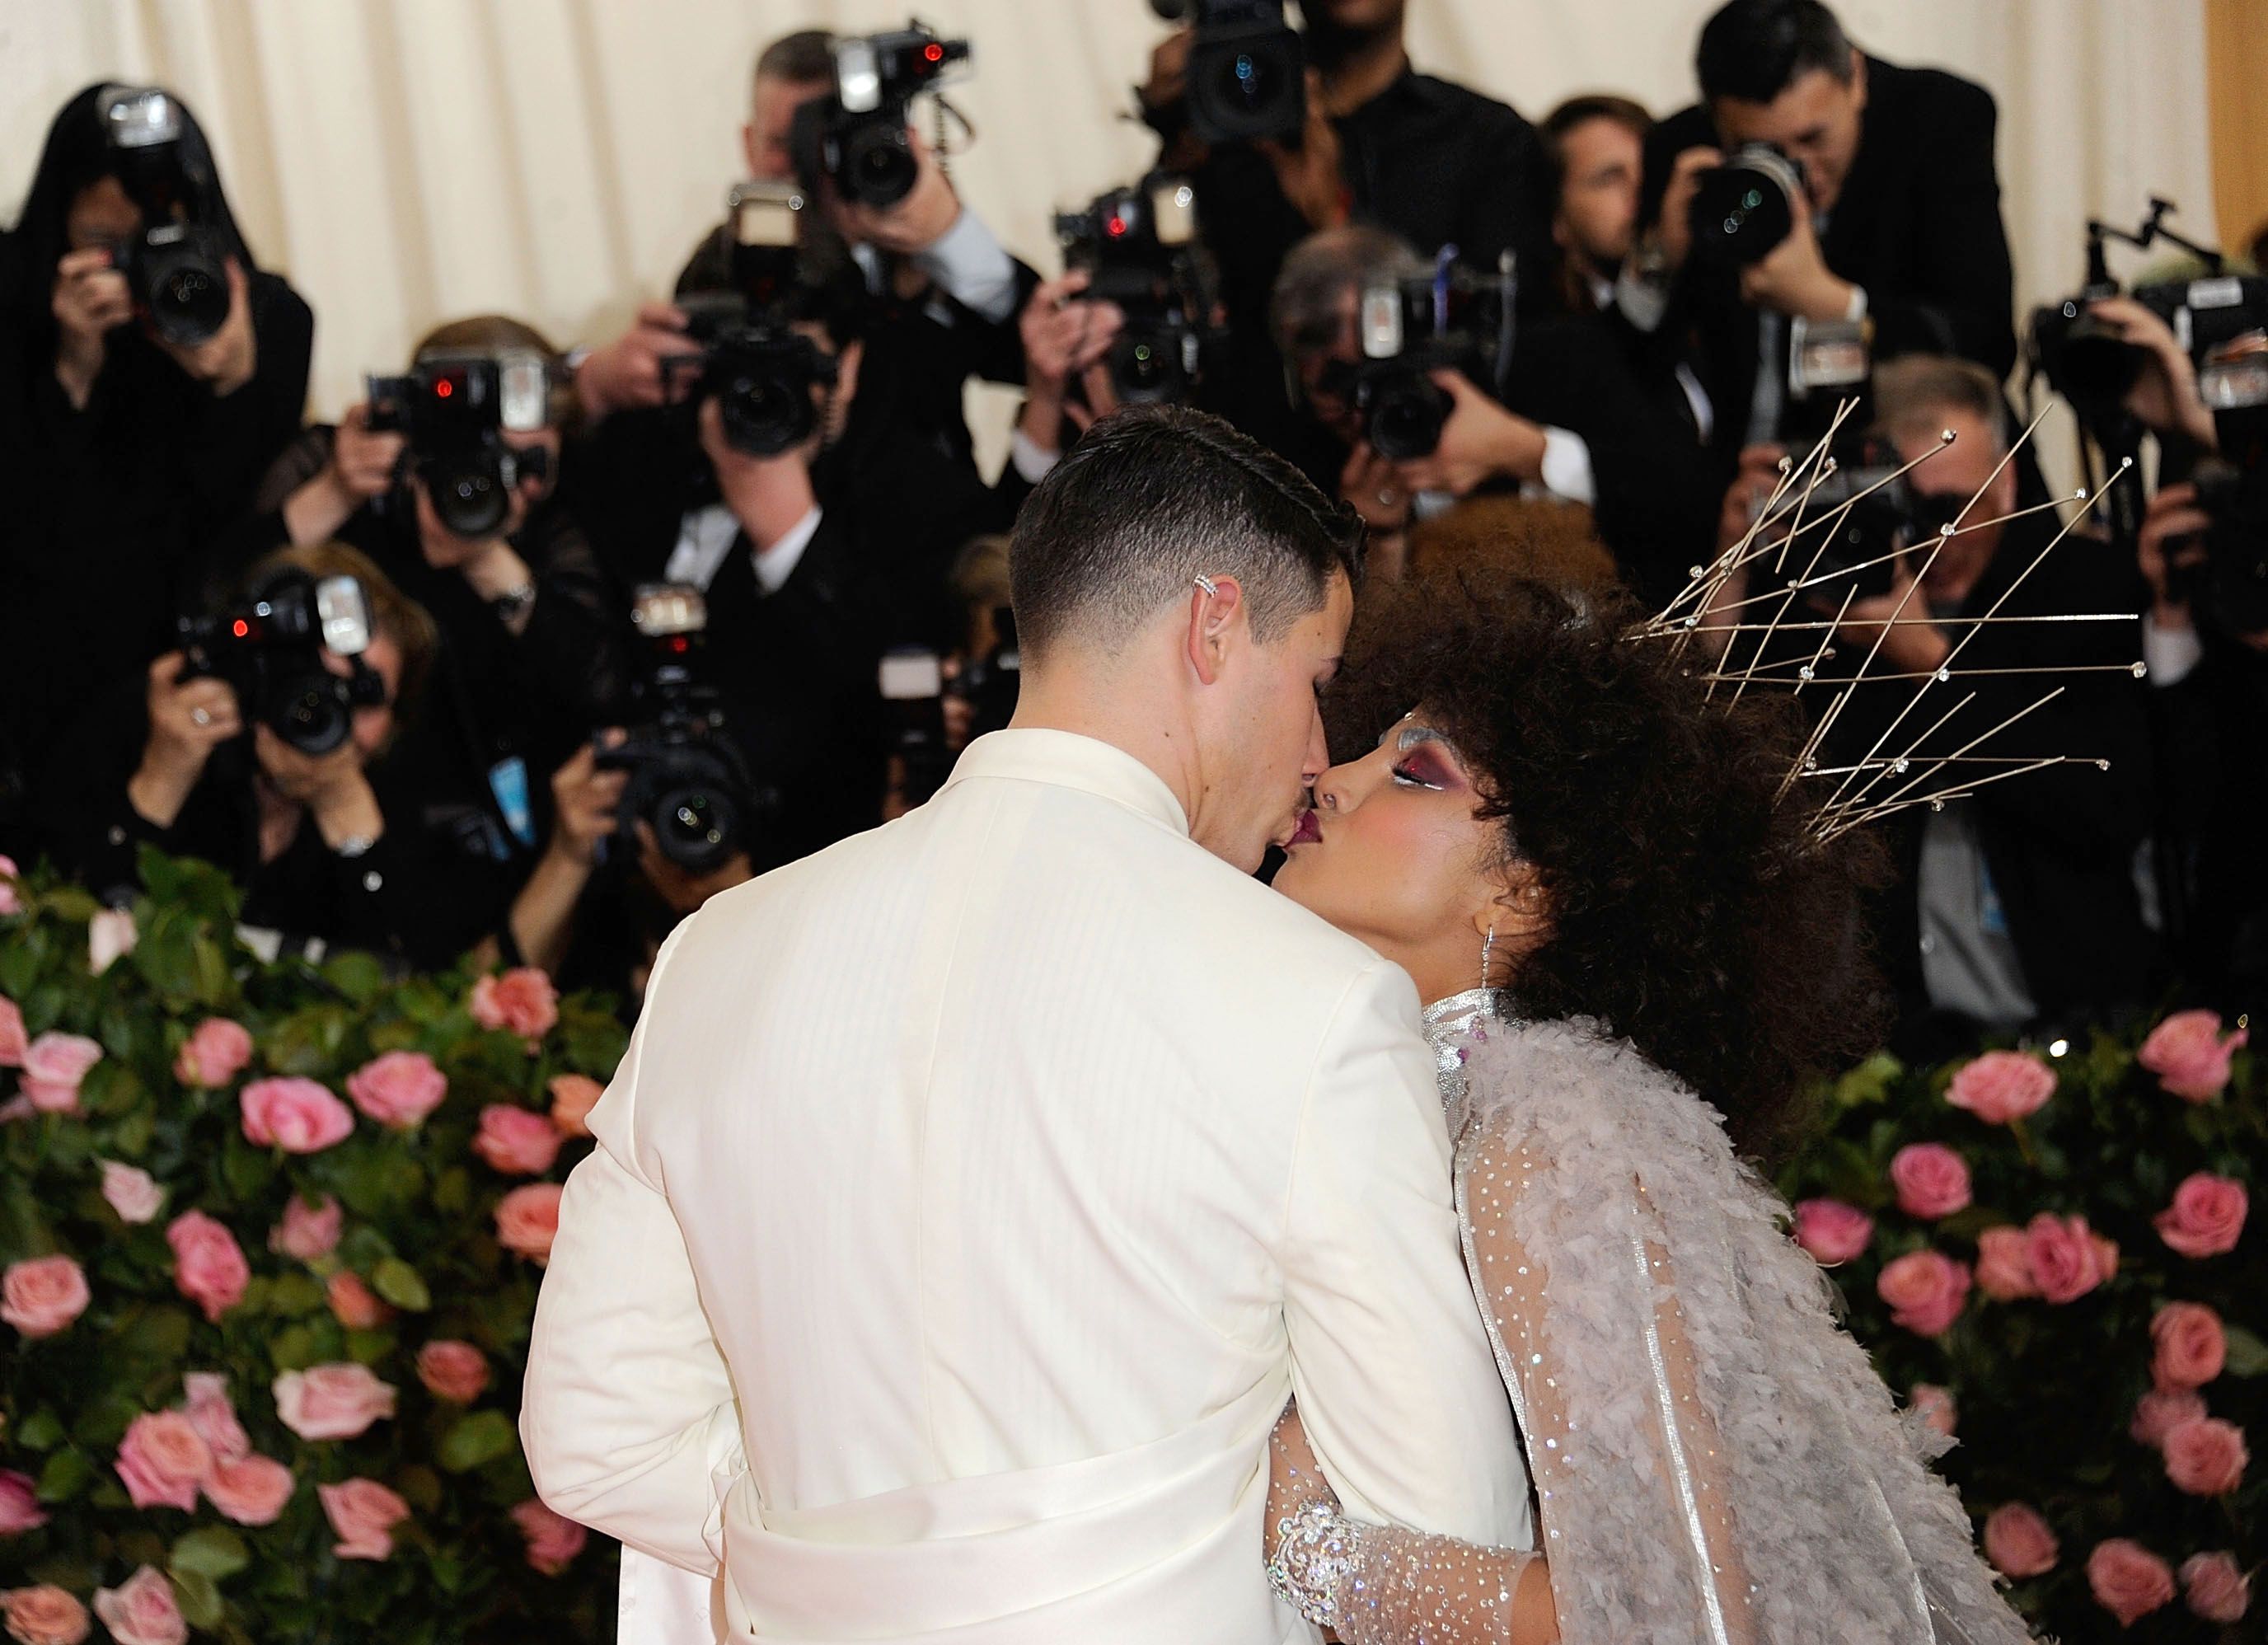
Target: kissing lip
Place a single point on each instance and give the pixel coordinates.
(1309, 831)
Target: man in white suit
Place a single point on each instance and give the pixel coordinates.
(973, 1194)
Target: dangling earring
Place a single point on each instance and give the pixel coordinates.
(1488, 948)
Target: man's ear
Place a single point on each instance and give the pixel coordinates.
(748, 146)
(1217, 614)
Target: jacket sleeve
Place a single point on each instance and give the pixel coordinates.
(1964, 292)
(1393, 1373)
(627, 1415)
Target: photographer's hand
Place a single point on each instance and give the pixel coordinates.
(1480, 441)
(188, 719)
(331, 785)
(2171, 539)
(361, 468)
(2165, 392)
(89, 298)
(1793, 276)
(1675, 230)
(912, 224)
(226, 361)
(585, 805)
(1310, 174)
(1913, 645)
(769, 496)
(627, 373)
(1062, 338)
(490, 566)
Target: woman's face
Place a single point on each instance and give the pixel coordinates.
(101, 214)
(1394, 854)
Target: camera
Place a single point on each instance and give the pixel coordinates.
(455, 409)
(763, 373)
(1455, 319)
(1744, 208)
(177, 263)
(857, 134)
(915, 691)
(269, 650)
(1248, 69)
(688, 782)
(1139, 248)
(2091, 365)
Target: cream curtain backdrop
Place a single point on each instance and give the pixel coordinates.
(407, 161)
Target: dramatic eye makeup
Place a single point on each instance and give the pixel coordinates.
(1422, 759)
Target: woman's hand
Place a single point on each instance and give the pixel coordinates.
(90, 298)
(188, 719)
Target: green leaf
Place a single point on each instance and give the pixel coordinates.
(399, 1284)
(199, 1598)
(482, 1437)
(295, 1348)
(2248, 1355)
(295, 1293)
(68, 1472)
(42, 1430)
(212, 1550)
(159, 1334)
(357, 976)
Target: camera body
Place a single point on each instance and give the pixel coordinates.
(857, 135)
(1139, 248)
(2090, 364)
(687, 781)
(269, 650)
(177, 265)
(1746, 207)
(1247, 71)
(1455, 319)
(455, 409)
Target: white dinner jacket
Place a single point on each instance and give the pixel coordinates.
(971, 1198)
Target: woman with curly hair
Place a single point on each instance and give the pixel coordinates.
(1635, 960)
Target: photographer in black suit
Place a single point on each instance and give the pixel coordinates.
(1897, 223)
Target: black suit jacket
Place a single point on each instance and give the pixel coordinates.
(1918, 224)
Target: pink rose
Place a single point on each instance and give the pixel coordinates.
(356, 1305)
(2018, 1541)
(213, 1415)
(162, 1460)
(516, 1142)
(2190, 1056)
(42, 1296)
(399, 1088)
(328, 1402)
(54, 1066)
(2159, 1411)
(1925, 1291)
(1932, 1180)
(12, 1042)
(2002, 1086)
(522, 1000)
(451, 1370)
(2206, 1457)
(2129, 1581)
(295, 1114)
(553, 1539)
(44, 1615)
(110, 937)
(19, 1504)
(2206, 1217)
(307, 1233)
(215, 1054)
(9, 875)
(209, 1265)
(527, 1220)
(2003, 1264)
(2106, 1257)
(2215, 1588)
(251, 1491)
(1831, 1231)
(1934, 1406)
(363, 1513)
(2067, 1259)
(142, 1611)
(131, 1191)
(2191, 1346)
(573, 1096)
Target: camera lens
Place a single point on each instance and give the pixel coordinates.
(1250, 81)
(468, 495)
(188, 300)
(1145, 366)
(1406, 416)
(694, 827)
(878, 166)
(312, 716)
(764, 416)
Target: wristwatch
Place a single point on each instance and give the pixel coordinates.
(512, 603)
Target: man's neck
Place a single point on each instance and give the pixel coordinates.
(1098, 703)
(1356, 67)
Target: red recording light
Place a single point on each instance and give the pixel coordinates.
(1114, 228)
(679, 644)
(239, 628)
(444, 389)
(934, 52)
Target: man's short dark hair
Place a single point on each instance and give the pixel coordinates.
(803, 58)
(1753, 50)
(1627, 113)
(1150, 499)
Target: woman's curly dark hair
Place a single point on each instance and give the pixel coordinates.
(1688, 911)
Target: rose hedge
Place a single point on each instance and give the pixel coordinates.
(2051, 1256)
(270, 1236)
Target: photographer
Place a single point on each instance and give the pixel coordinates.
(1896, 225)
(149, 373)
(946, 295)
(1596, 146)
(317, 837)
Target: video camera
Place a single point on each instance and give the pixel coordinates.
(455, 407)
(1746, 207)
(1454, 319)
(269, 650)
(177, 264)
(687, 781)
(1141, 250)
(1248, 69)
(857, 133)
(761, 371)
